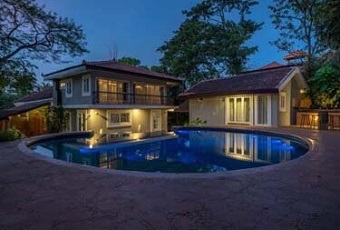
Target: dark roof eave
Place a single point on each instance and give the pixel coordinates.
(96, 67)
(62, 70)
(214, 94)
(169, 78)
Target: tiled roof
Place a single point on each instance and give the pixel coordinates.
(273, 64)
(257, 81)
(114, 65)
(44, 94)
(21, 109)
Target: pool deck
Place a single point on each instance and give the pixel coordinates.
(299, 194)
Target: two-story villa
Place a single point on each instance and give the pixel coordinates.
(114, 100)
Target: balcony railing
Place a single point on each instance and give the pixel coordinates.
(126, 98)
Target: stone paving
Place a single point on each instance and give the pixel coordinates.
(300, 194)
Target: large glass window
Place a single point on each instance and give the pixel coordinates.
(262, 110)
(140, 93)
(111, 91)
(239, 109)
(156, 120)
(231, 109)
(148, 94)
(246, 108)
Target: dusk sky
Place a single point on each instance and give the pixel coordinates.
(138, 27)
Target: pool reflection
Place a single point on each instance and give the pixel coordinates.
(189, 151)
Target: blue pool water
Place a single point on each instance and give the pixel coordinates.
(190, 150)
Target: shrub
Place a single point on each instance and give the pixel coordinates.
(11, 134)
(324, 87)
(197, 122)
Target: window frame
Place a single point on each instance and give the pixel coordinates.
(283, 101)
(158, 120)
(86, 77)
(116, 96)
(119, 113)
(268, 102)
(62, 85)
(232, 112)
(68, 85)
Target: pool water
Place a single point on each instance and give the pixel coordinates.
(190, 150)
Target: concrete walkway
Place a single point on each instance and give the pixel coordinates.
(300, 194)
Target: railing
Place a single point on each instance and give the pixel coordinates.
(126, 98)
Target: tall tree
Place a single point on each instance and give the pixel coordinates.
(329, 23)
(29, 32)
(297, 22)
(211, 41)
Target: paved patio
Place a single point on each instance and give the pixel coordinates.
(300, 194)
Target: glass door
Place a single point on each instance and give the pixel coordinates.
(81, 120)
(239, 109)
(263, 110)
(156, 120)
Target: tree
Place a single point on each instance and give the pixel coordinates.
(130, 61)
(159, 69)
(325, 86)
(329, 23)
(43, 85)
(211, 41)
(29, 32)
(6, 100)
(297, 21)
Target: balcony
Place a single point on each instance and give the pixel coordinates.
(131, 99)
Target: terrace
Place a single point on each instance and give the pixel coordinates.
(301, 194)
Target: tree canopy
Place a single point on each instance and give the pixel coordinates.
(28, 32)
(298, 25)
(130, 61)
(312, 26)
(329, 23)
(326, 90)
(211, 40)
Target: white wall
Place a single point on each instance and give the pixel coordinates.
(210, 109)
(284, 117)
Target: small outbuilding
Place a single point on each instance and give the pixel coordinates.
(264, 97)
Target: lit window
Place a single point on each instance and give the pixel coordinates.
(114, 118)
(125, 117)
(239, 109)
(62, 85)
(118, 118)
(111, 91)
(86, 85)
(68, 88)
(283, 102)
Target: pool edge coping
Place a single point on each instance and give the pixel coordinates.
(23, 148)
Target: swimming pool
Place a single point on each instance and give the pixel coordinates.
(190, 150)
